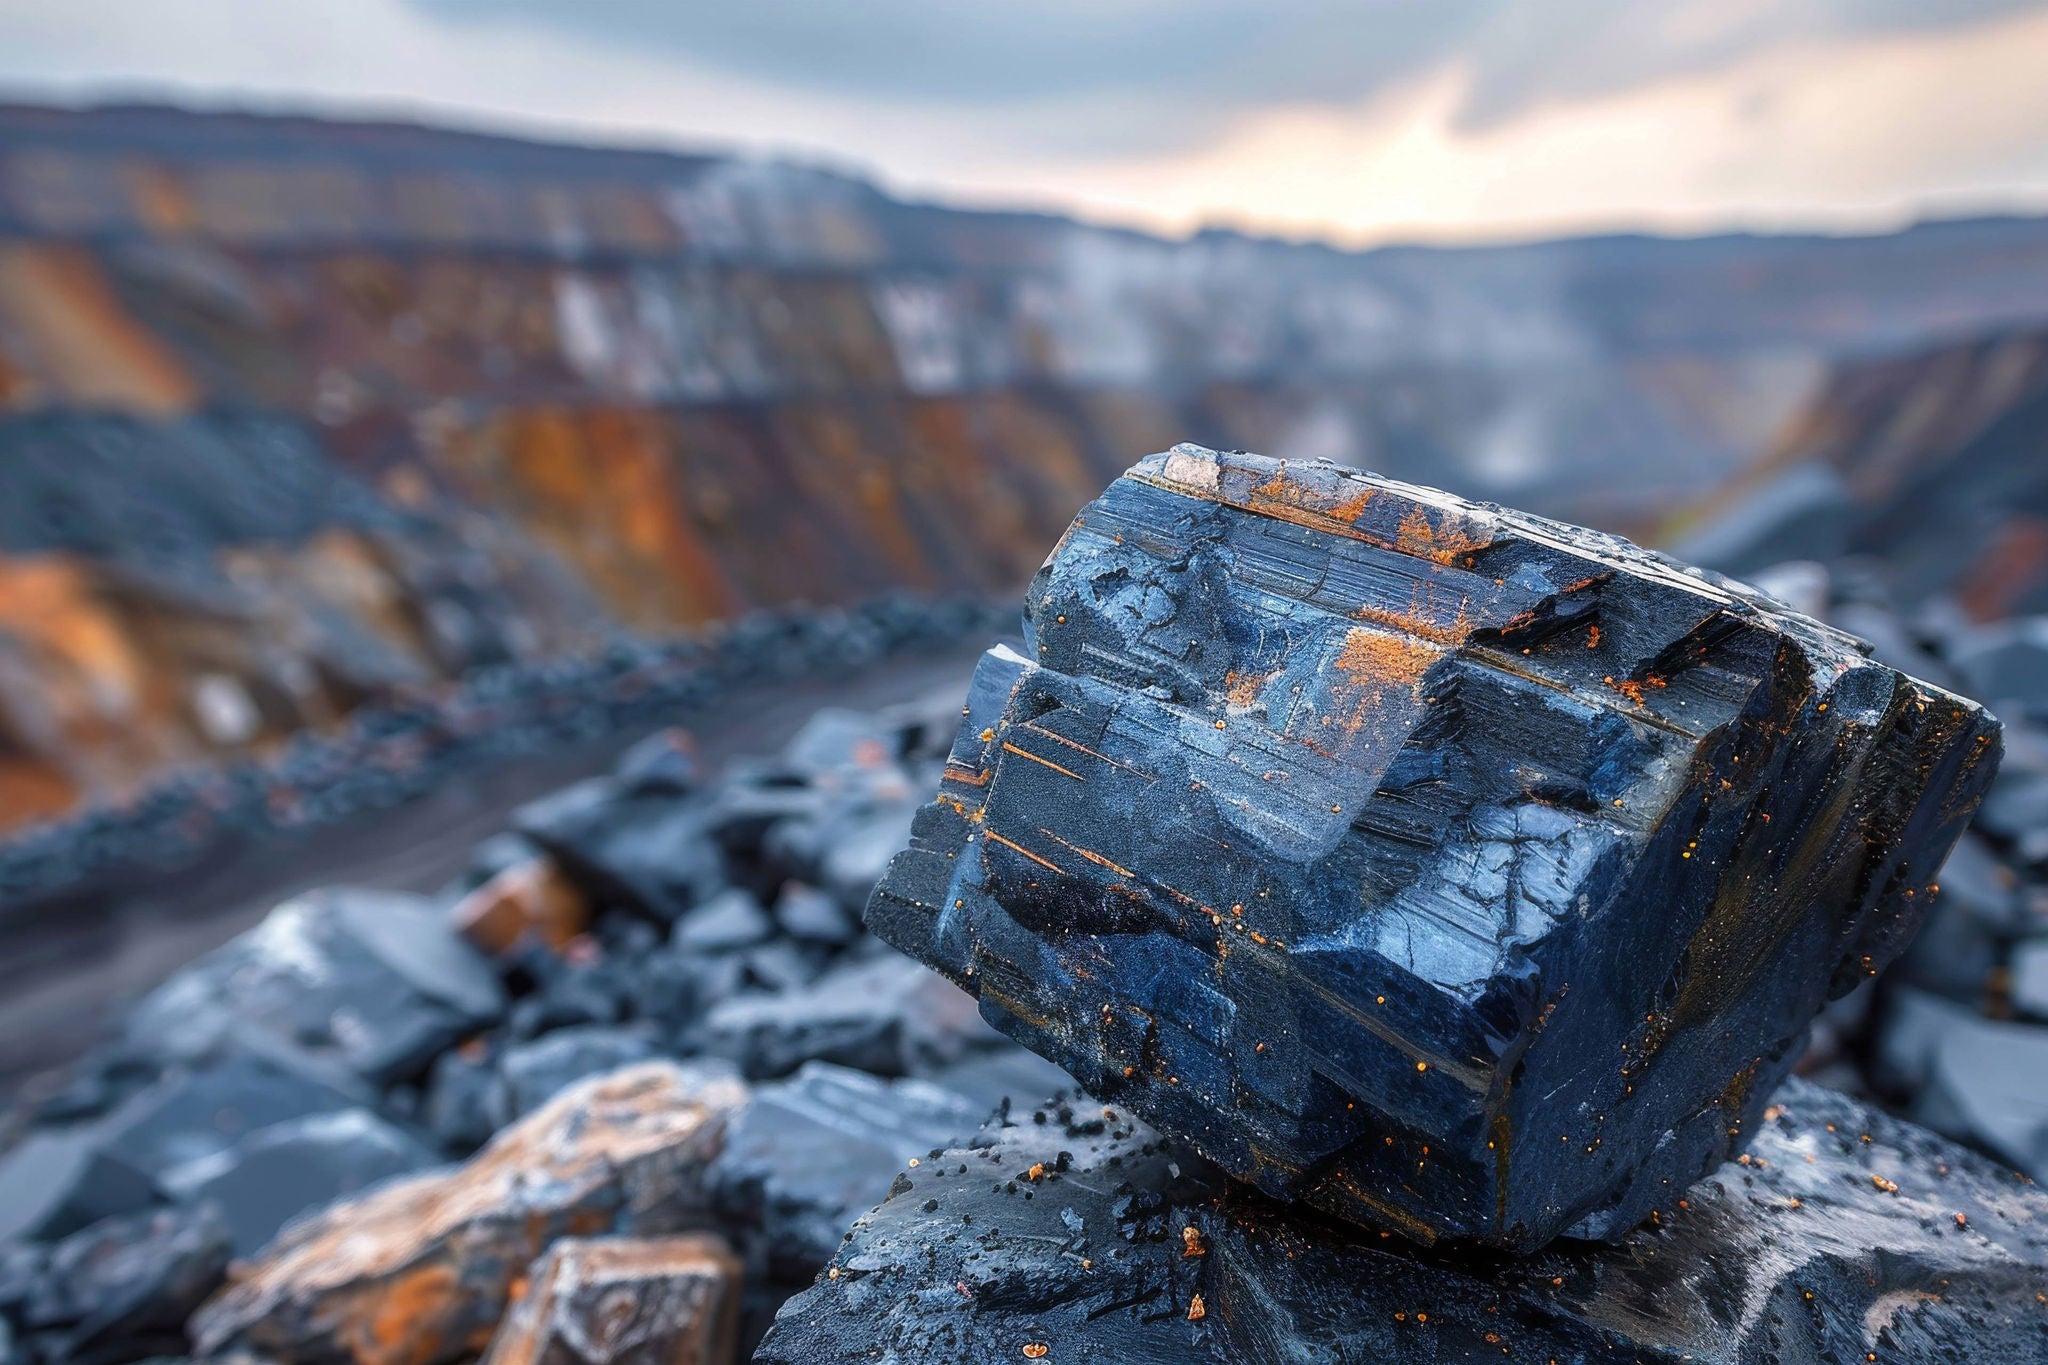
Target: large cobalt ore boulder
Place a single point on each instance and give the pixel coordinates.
(1452, 870)
(1845, 1236)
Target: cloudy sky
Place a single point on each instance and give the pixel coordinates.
(1356, 120)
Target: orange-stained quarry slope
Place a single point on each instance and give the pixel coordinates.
(399, 402)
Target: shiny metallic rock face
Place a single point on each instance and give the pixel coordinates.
(1451, 870)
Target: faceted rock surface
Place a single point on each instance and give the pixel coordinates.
(420, 1270)
(808, 1155)
(279, 1172)
(1448, 869)
(121, 1289)
(1843, 1235)
(624, 1301)
(530, 900)
(371, 983)
(57, 1181)
(531, 1074)
(636, 847)
(885, 1016)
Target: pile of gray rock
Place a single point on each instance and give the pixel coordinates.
(1955, 1036)
(620, 1092)
(404, 1073)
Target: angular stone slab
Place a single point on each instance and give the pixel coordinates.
(277, 1173)
(810, 1154)
(884, 1016)
(121, 1289)
(419, 1271)
(1448, 869)
(531, 901)
(1842, 1236)
(625, 1301)
(371, 983)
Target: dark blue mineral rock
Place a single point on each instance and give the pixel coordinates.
(1448, 869)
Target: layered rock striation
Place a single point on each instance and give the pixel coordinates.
(1445, 868)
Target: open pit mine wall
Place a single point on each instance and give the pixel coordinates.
(1932, 463)
(296, 414)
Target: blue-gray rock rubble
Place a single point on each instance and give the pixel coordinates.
(357, 1043)
(248, 1111)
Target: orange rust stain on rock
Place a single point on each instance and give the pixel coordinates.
(1443, 543)
(1633, 689)
(159, 199)
(1287, 492)
(1415, 621)
(1243, 688)
(401, 1328)
(532, 901)
(1372, 658)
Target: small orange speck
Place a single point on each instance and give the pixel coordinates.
(1422, 1066)
(1962, 1221)
(1219, 725)
(1191, 1243)
(1197, 1310)
(1035, 1350)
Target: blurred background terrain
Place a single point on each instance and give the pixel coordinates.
(303, 414)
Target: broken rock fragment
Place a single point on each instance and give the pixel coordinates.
(638, 847)
(625, 1301)
(1449, 869)
(529, 901)
(810, 1154)
(121, 1289)
(885, 1016)
(420, 1270)
(1843, 1235)
(370, 983)
(279, 1172)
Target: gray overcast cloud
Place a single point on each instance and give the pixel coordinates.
(1356, 120)
(1203, 57)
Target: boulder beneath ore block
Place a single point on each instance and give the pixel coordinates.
(420, 1270)
(625, 1301)
(1843, 1235)
(1447, 869)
